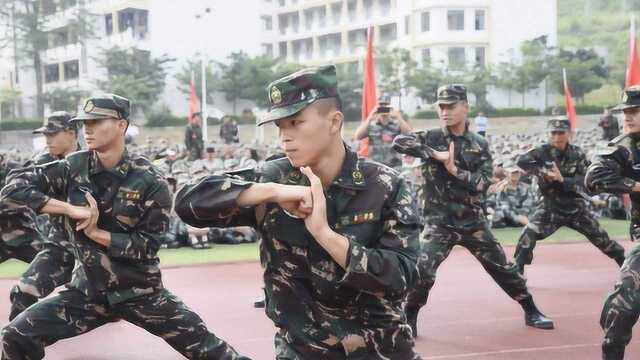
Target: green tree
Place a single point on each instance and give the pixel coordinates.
(233, 78)
(534, 66)
(586, 71)
(134, 74)
(350, 82)
(477, 80)
(195, 67)
(506, 78)
(395, 67)
(64, 99)
(425, 82)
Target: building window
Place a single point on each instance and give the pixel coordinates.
(368, 8)
(425, 21)
(282, 47)
(407, 24)
(426, 56)
(108, 22)
(336, 12)
(455, 19)
(385, 7)
(51, 73)
(351, 10)
(267, 49)
(388, 32)
(457, 58)
(267, 23)
(125, 20)
(282, 3)
(480, 20)
(71, 69)
(480, 57)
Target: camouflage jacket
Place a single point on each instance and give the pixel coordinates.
(515, 201)
(308, 294)
(616, 169)
(134, 205)
(193, 137)
(568, 196)
(229, 133)
(456, 201)
(380, 140)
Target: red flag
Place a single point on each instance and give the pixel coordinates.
(633, 67)
(369, 97)
(193, 98)
(568, 100)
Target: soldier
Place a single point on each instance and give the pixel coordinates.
(117, 211)
(229, 130)
(193, 137)
(381, 128)
(559, 167)
(52, 266)
(340, 235)
(457, 171)
(513, 200)
(609, 125)
(615, 170)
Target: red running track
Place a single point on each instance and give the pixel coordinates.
(468, 316)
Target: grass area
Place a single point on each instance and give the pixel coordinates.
(617, 229)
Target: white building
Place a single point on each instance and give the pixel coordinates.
(448, 33)
(70, 61)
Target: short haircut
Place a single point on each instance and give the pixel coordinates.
(328, 104)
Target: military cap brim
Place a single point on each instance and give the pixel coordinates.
(623, 107)
(86, 116)
(284, 112)
(45, 130)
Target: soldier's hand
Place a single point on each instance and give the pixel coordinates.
(78, 212)
(316, 222)
(296, 200)
(91, 224)
(447, 158)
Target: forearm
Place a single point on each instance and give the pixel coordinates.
(55, 207)
(102, 237)
(335, 244)
(362, 131)
(257, 194)
(405, 128)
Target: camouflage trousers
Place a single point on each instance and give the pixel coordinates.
(436, 244)
(71, 313)
(52, 267)
(371, 346)
(26, 251)
(545, 222)
(622, 308)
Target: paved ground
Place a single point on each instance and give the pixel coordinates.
(468, 316)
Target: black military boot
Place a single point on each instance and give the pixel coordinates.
(520, 268)
(533, 317)
(612, 352)
(20, 301)
(619, 260)
(412, 318)
(259, 304)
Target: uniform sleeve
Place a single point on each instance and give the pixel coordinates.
(33, 186)
(576, 183)
(479, 180)
(530, 161)
(391, 266)
(144, 241)
(212, 202)
(605, 174)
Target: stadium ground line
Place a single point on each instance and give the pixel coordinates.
(513, 351)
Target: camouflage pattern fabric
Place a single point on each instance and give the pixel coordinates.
(193, 141)
(19, 238)
(321, 310)
(561, 204)
(123, 279)
(511, 203)
(380, 140)
(229, 132)
(614, 170)
(454, 213)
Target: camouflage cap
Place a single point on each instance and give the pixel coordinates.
(291, 94)
(104, 107)
(451, 94)
(57, 121)
(559, 123)
(630, 98)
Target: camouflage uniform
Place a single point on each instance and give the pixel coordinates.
(193, 141)
(561, 204)
(229, 132)
(20, 238)
(122, 281)
(615, 170)
(511, 203)
(321, 310)
(454, 211)
(380, 139)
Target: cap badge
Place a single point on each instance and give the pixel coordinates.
(276, 96)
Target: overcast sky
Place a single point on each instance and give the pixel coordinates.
(232, 25)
